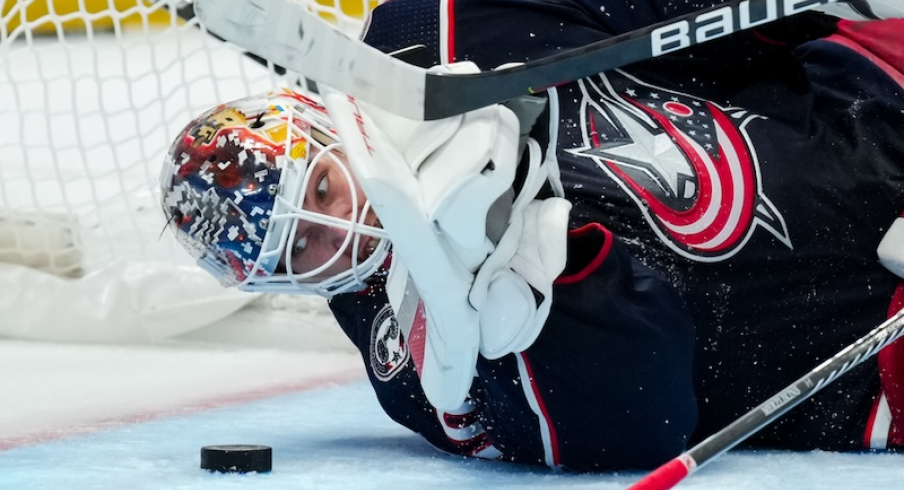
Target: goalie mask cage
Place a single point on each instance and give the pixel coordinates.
(92, 93)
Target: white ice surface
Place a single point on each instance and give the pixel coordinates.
(52, 391)
(135, 417)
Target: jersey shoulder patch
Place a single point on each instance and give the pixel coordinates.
(389, 351)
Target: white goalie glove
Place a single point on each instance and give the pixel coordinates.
(891, 248)
(512, 289)
(470, 273)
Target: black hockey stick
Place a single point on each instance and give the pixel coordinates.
(671, 473)
(288, 35)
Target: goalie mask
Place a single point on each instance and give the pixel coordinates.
(259, 192)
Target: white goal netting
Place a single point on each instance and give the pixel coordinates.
(92, 92)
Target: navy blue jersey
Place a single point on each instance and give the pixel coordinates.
(728, 201)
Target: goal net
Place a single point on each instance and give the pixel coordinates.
(92, 92)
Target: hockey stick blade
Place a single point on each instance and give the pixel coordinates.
(287, 34)
(671, 473)
(185, 10)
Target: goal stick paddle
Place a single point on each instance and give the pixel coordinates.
(673, 472)
(287, 34)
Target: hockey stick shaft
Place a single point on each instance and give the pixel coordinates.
(673, 472)
(286, 34)
(641, 44)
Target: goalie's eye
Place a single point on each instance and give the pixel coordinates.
(323, 187)
(300, 244)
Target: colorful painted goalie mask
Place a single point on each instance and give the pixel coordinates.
(242, 188)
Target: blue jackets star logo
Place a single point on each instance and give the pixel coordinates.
(686, 162)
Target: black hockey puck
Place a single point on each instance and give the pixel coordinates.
(237, 458)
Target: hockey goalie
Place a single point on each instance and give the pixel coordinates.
(597, 275)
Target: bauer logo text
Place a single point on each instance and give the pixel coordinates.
(724, 21)
(780, 400)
